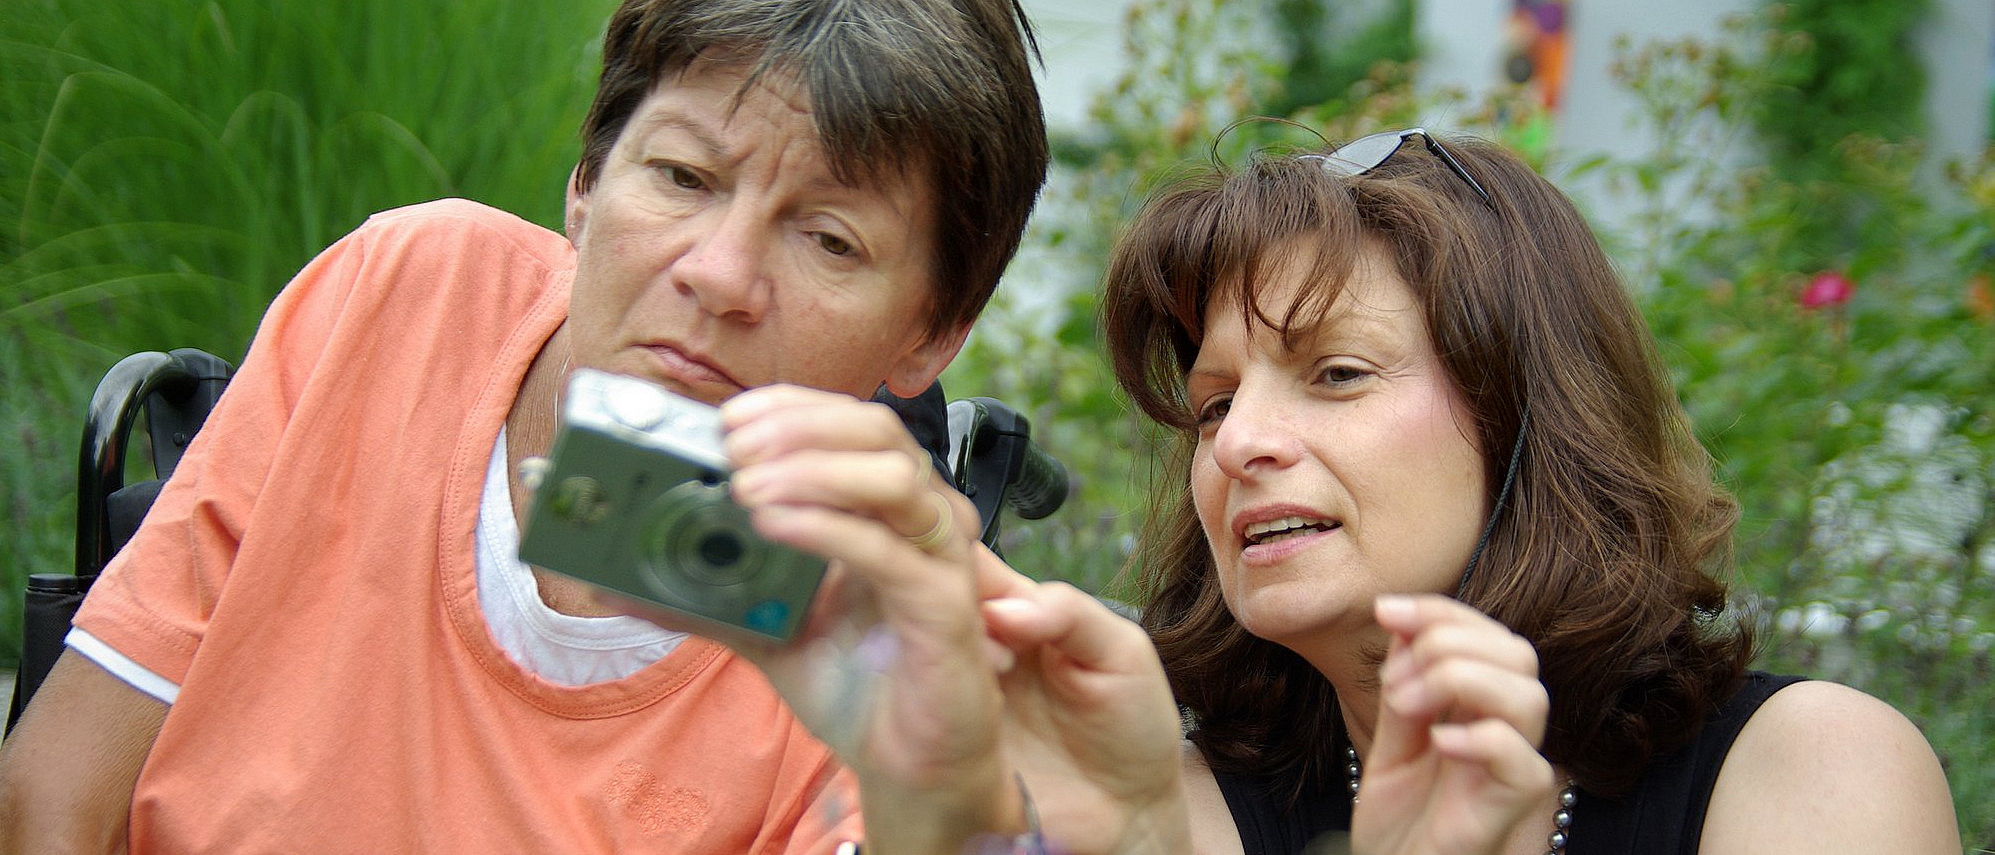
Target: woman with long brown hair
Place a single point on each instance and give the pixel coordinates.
(1449, 551)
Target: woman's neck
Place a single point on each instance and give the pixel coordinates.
(531, 423)
(530, 429)
(1350, 660)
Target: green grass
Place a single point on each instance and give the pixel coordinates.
(166, 166)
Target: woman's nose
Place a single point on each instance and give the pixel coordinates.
(1255, 437)
(726, 267)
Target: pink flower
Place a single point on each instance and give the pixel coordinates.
(1828, 288)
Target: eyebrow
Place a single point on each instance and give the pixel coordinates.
(1195, 373)
(712, 143)
(665, 120)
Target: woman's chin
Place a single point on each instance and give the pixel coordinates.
(1295, 621)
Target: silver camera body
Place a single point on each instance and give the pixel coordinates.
(634, 501)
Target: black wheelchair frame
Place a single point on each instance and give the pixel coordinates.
(174, 391)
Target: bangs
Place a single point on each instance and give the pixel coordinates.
(1315, 266)
(878, 103)
(1226, 239)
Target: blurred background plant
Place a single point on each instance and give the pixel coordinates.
(1828, 322)
(1823, 298)
(166, 166)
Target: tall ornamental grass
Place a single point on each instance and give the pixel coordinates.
(167, 165)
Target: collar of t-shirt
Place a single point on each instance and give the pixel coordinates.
(563, 649)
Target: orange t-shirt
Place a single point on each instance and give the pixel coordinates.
(307, 579)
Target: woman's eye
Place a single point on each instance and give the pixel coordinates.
(1337, 375)
(834, 244)
(684, 177)
(1214, 410)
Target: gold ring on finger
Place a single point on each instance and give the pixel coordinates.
(945, 524)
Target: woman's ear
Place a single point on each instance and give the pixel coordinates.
(576, 209)
(921, 365)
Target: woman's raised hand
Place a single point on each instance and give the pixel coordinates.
(1454, 765)
(937, 673)
(1090, 721)
(893, 668)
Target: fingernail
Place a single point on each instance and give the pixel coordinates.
(741, 446)
(1393, 607)
(746, 486)
(1002, 658)
(1010, 605)
(741, 408)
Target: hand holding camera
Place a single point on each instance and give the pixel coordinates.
(722, 521)
(635, 502)
(878, 670)
(701, 518)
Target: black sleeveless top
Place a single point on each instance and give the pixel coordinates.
(1664, 813)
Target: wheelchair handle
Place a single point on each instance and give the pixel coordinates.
(998, 465)
(185, 380)
(1041, 485)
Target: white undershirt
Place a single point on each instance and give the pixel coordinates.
(563, 649)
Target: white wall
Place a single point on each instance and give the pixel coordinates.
(1081, 42)
(1461, 48)
(1599, 116)
(1463, 51)
(1958, 43)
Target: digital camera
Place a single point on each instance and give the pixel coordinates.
(634, 500)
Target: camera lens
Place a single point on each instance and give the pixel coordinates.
(693, 551)
(696, 547)
(707, 551)
(720, 548)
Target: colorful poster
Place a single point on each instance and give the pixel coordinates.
(1535, 42)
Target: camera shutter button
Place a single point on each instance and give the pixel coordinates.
(639, 412)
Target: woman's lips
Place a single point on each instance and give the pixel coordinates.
(678, 367)
(1272, 551)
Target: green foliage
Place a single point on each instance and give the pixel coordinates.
(166, 166)
(1836, 68)
(1836, 77)
(1329, 53)
(1857, 433)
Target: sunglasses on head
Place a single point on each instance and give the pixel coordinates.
(1364, 154)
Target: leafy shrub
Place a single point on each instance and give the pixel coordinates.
(1830, 329)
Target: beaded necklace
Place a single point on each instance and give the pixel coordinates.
(1561, 818)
